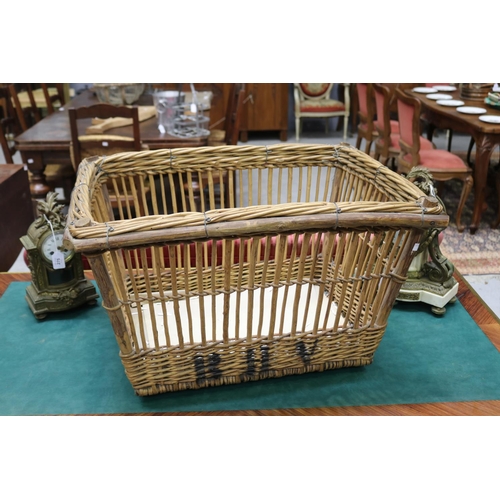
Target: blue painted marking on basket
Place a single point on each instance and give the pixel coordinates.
(305, 353)
(209, 370)
(252, 361)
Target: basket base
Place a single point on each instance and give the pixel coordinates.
(212, 382)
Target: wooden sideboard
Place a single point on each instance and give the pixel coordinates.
(16, 212)
(265, 109)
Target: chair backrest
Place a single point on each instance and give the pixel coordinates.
(366, 105)
(382, 96)
(314, 91)
(83, 146)
(52, 97)
(9, 125)
(29, 114)
(409, 127)
(233, 113)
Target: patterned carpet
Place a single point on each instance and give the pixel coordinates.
(478, 253)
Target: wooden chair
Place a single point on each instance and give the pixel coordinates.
(27, 113)
(366, 113)
(54, 96)
(33, 101)
(443, 165)
(9, 125)
(227, 137)
(31, 104)
(431, 128)
(312, 100)
(128, 200)
(387, 142)
(234, 110)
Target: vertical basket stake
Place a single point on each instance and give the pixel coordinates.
(110, 302)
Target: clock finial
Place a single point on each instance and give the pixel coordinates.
(51, 210)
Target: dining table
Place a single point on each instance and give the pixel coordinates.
(473, 117)
(48, 141)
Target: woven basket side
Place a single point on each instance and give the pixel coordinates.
(296, 271)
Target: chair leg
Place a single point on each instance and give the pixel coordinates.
(368, 147)
(297, 128)
(469, 150)
(346, 122)
(358, 141)
(496, 223)
(449, 134)
(326, 126)
(468, 182)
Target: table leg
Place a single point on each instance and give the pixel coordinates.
(38, 184)
(484, 147)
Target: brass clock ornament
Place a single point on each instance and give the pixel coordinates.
(58, 281)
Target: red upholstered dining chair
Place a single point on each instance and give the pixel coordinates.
(366, 113)
(387, 143)
(312, 100)
(449, 132)
(443, 165)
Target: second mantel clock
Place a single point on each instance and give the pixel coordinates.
(58, 281)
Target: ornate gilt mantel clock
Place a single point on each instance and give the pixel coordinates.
(58, 281)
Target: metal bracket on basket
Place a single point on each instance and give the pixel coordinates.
(422, 208)
(172, 157)
(337, 212)
(206, 220)
(268, 153)
(109, 229)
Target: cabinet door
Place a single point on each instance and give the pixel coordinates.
(266, 108)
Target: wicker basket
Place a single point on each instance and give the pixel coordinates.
(297, 271)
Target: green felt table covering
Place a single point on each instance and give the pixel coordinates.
(68, 363)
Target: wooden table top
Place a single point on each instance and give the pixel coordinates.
(461, 121)
(53, 132)
(482, 315)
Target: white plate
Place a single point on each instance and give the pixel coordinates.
(490, 118)
(471, 110)
(439, 97)
(450, 102)
(445, 88)
(424, 90)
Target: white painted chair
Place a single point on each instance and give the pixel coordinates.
(312, 100)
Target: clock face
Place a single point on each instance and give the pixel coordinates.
(51, 245)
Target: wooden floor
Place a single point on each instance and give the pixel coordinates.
(481, 314)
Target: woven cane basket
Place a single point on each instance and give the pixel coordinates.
(221, 265)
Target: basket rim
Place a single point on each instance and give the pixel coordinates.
(419, 210)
